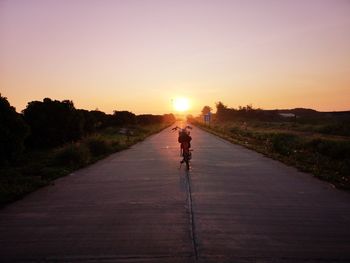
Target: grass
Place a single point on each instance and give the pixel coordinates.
(326, 156)
(38, 168)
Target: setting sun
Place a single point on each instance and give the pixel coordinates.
(181, 104)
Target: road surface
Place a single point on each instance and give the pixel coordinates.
(234, 205)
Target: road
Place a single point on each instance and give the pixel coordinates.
(234, 205)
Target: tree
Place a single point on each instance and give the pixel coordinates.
(222, 112)
(149, 119)
(13, 132)
(206, 110)
(93, 120)
(53, 122)
(124, 117)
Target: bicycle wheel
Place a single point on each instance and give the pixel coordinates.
(187, 160)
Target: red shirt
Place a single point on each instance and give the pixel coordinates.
(185, 146)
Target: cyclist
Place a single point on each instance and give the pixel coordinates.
(185, 140)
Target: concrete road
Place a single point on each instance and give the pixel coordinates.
(234, 205)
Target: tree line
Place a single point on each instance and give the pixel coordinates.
(51, 123)
(224, 113)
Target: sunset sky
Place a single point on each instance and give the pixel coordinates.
(140, 55)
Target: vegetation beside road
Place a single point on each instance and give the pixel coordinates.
(312, 142)
(54, 139)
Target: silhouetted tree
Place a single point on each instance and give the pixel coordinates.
(53, 122)
(206, 110)
(124, 118)
(146, 119)
(149, 119)
(94, 120)
(222, 112)
(13, 131)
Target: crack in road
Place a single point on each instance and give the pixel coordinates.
(190, 208)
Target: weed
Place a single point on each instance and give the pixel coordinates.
(97, 145)
(72, 155)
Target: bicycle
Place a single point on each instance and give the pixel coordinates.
(185, 146)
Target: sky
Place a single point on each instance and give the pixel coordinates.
(139, 55)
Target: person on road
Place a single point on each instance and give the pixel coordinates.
(185, 141)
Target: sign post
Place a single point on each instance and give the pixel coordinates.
(207, 118)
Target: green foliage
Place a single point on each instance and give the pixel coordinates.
(14, 185)
(72, 155)
(337, 127)
(13, 132)
(331, 148)
(38, 168)
(235, 130)
(284, 143)
(97, 145)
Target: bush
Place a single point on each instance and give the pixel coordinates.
(284, 143)
(97, 145)
(345, 169)
(341, 128)
(72, 155)
(331, 148)
(13, 185)
(13, 132)
(234, 130)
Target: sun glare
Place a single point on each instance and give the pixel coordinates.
(181, 104)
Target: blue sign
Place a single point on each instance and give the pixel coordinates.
(207, 117)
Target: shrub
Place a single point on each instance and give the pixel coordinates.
(72, 155)
(234, 130)
(331, 148)
(337, 128)
(284, 143)
(97, 145)
(14, 185)
(345, 169)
